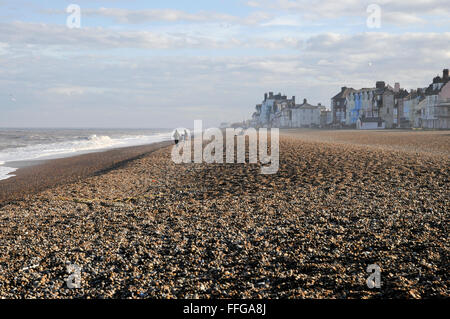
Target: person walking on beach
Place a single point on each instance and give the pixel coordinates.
(186, 135)
(176, 136)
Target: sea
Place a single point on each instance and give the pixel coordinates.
(27, 145)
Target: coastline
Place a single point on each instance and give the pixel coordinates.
(33, 176)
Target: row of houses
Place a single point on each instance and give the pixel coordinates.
(384, 106)
(278, 110)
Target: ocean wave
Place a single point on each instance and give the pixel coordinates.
(73, 147)
(5, 172)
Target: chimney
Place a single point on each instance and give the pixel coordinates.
(265, 96)
(445, 74)
(293, 100)
(343, 88)
(304, 101)
(380, 85)
(397, 87)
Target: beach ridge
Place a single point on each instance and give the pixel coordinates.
(155, 229)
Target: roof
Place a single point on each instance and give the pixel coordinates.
(343, 93)
(383, 90)
(414, 94)
(401, 94)
(444, 80)
(306, 105)
(430, 91)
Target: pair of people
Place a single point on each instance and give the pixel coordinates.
(177, 136)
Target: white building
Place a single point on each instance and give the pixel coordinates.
(306, 115)
(411, 106)
(437, 96)
(370, 123)
(279, 111)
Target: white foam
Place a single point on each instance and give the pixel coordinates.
(5, 172)
(70, 148)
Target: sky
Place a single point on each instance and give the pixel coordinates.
(164, 64)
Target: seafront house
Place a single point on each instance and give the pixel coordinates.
(411, 112)
(372, 108)
(379, 107)
(420, 113)
(437, 95)
(326, 117)
(269, 111)
(307, 115)
(339, 105)
(280, 111)
(360, 105)
(384, 96)
(365, 107)
(401, 118)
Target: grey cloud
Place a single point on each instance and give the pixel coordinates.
(128, 16)
(102, 38)
(397, 12)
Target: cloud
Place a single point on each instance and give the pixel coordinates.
(97, 37)
(397, 12)
(75, 90)
(128, 16)
(285, 20)
(4, 48)
(173, 90)
(102, 38)
(152, 15)
(207, 64)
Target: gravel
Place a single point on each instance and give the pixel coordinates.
(154, 229)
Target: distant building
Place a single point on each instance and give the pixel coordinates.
(339, 105)
(307, 115)
(326, 118)
(382, 106)
(360, 103)
(401, 118)
(367, 106)
(279, 111)
(384, 98)
(267, 113)
(437, 94)
(411, 110)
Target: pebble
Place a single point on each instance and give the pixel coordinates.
(226, 231)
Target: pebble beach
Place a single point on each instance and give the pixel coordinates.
(144, 227)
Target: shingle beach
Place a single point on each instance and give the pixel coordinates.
(149, 228)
